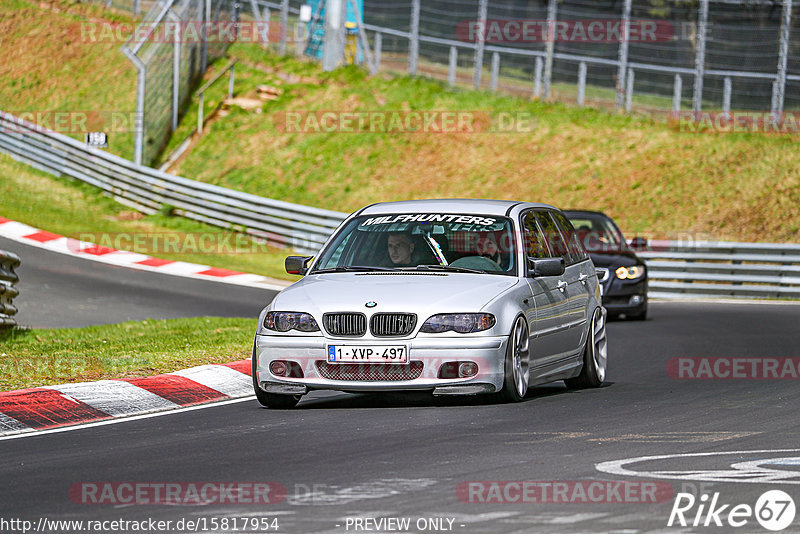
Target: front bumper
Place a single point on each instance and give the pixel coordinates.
(625, 296)
(309, 351)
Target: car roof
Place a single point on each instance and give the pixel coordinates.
(450, 205)
(584, 212)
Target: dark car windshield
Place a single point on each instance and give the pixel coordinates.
(597, 232)
(442, 242)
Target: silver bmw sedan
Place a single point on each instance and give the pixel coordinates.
(457, 297)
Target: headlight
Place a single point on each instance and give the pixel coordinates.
(285, 321)
(631, 273)
(463, 323)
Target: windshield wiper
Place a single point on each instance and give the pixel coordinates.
(350, 269)
(448, 268)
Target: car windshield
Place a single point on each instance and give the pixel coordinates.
(446, 242)
(597, 233)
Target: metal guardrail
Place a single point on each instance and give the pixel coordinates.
(282, 224)
(676, 269)
(8, 278)
(723, 269)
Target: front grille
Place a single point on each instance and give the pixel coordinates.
(370, 372)
(345, 324)
(392, 324)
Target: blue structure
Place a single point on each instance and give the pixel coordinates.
(316, 31)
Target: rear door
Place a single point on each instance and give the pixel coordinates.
(579, 269)
(549, 335)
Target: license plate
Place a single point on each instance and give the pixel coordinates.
(367, 354)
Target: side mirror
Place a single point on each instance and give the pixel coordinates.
(546, 267)
(638, 243)
(297, 264)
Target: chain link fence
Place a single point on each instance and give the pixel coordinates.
(657, 55)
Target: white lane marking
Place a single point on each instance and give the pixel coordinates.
(114, 421)
(220, 378)
(114, 397)
(377, 489)
(747, 472)
(14, 229)
(10, 424)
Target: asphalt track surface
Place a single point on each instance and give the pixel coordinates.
(368, 456)
(61, 291)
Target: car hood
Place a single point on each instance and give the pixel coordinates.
(621, 258)
(398, 292)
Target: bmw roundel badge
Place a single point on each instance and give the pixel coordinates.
(371, 304)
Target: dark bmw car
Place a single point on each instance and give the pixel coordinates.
(622, 273)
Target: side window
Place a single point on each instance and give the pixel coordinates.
(576, 250)
(553, 236)
(533, 239)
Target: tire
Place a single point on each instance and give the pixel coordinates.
(595, 355)
(517, 363)
(271, 400)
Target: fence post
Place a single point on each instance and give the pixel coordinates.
(333, 41)
(581, 83)
(700, 60)
(204, 47)
(230, 83)
(378, 48)
(451, 71)
(141, 74)
(629, 91)
(495, 71)
(284, 25)
(677, 90)
(727, 87)
(783, 54)
(483, 8)
(200, 114)
(537, 77)
(413, 44)
(623, 51)
(552, 13)
(176, 69)
(136, 7)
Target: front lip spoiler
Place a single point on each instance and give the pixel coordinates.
(284, 389)
(464, 389)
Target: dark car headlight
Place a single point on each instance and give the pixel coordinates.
(463, 323)
(630, 273)
(285, 321)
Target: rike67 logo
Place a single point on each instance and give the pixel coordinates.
(774, 510)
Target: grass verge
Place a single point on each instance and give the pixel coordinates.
(31, 358)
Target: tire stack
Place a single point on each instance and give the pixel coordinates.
(8, 279)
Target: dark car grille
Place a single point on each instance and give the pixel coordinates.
(370, 372)
(392, 324)
(345, 324)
